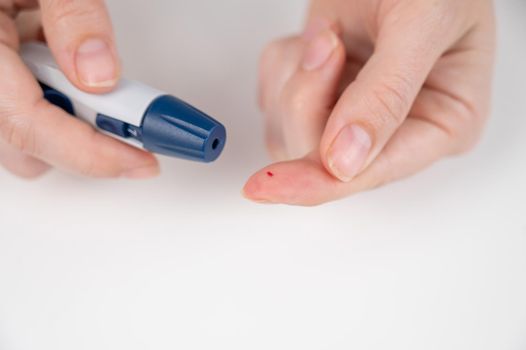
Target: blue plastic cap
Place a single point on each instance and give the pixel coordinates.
(174, 128)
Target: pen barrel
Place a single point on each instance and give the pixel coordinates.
(133, 112)
(127, 102)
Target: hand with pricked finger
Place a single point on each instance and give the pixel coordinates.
(373, 91)
(35, 135)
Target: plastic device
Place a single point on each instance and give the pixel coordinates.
(134, 113)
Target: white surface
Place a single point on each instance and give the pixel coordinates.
(183, 262)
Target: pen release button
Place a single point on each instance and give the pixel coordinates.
(117, 127)
(58, 99)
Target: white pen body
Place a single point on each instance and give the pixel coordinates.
(127, 102)
(133, 112)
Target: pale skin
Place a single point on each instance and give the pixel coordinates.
(371, 92)
(35, 135)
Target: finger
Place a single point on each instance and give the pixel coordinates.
(311, 93)
(8, 32)
(415, 145)
(29, 26)
(80, 35)
(452, 120)
(13, 7)
(374, 106)
(20, 164)
(12, 159)
(27, 22)
(278, 63)
(36, 128)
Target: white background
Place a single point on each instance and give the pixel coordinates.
(183, 262)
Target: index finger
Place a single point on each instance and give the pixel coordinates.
(306, 182)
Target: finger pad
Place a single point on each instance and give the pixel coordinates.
(299, 182)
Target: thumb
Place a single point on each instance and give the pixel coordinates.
(80, 35)
(373, 107)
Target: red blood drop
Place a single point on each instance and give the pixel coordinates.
(270, 174)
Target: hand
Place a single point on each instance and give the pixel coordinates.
(34, 134)
(371, 92)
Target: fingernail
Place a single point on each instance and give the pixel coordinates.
(141, 173)
(319, 50)
(95, 64)
(349, 152)
(314, 27)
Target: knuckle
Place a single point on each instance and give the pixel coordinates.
(63, 12)
(461, 143)
(390, 102)
(269, 72)
(268, 57)
(467, 146)
(271, 52)
(434, 13)
(466, 139)
(437, 25)
(281, 52)
(441, 17)
(18, 133)
(294, 104)
(465, 127)
(8, 32)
